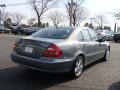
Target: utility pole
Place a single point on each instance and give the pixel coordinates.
(117, 20)
(115, 26)
(0, 17)
(2, 6)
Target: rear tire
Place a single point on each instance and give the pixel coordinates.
(78, 66)
(14, 33)
(116, 41)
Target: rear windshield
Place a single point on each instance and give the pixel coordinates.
(54, 33)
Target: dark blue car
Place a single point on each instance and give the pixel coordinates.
(30, 30)
(17, 30)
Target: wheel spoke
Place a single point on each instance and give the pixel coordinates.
(79, 67)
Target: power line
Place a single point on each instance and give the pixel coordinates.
(16, 4)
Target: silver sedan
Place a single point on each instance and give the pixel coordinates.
(60, 49)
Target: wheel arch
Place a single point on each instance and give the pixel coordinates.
(81, 54)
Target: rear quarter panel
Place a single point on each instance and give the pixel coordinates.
(70, 49)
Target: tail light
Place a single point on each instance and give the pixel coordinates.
(14, 46)
(52, 51)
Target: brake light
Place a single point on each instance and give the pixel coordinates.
(14, 46)
(52, 51)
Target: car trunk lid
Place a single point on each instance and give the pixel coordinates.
(33, 47)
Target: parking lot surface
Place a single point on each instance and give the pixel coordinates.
(97, 76)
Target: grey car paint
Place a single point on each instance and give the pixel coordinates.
(71, 48)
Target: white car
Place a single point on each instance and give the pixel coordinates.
(105, 34)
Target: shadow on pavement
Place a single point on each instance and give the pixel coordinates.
(115, 86)
(19, 78)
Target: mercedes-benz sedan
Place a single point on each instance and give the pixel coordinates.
(60, 49)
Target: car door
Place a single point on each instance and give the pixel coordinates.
(88, 46)
(98, 47)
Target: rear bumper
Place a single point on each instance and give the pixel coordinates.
(53, 66)
(116, 38)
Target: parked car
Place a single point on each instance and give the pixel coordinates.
(60, 49)
(6, 30)
(2, 29)
(105, 34)
(30, 30)
(116, 37)
(16, 30)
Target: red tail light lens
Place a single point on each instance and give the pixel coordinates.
(14, 46)
(53, 51)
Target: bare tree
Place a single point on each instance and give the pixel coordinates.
(41, 6)
(72, 7)
(4, 16)
(81, 15)
(31, 21)
(17, 18)
(56, 17)
(100, 20)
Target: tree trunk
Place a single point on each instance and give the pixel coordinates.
(74, 20)
(39, 21)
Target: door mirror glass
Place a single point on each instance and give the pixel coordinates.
(100, 40)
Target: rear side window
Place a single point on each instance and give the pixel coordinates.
(93, 35)
(86, 35)
(54, 33)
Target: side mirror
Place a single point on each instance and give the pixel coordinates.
(100, 40)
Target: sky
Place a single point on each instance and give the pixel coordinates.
(95, 7)
(102, 6)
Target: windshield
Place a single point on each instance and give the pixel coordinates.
(54, 33)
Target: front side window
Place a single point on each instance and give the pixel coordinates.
(80, 37)
(86, 35)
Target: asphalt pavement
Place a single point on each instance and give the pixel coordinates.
(97, 76)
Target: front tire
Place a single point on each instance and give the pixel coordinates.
(107, 54)
(77, 67)
(19, 33)
(104, 38)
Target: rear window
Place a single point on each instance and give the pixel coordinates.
(54, 33)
